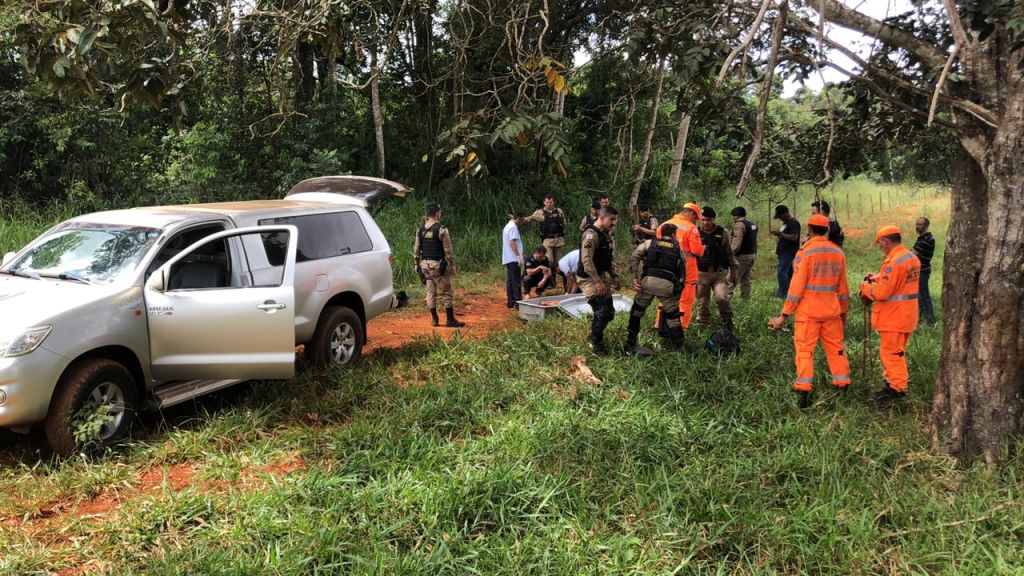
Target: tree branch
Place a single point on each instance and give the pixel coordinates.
(743, 45)
(938, 85)
(846, 17)
(766, 91)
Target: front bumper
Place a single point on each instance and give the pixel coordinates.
(28, 383)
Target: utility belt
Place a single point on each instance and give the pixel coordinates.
(659, 273)
(712, 268)
(551, 236)
(746, 253)
(600, 274)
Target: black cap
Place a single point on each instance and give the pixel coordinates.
(541, 250)
(739, 211)
(596, 205)
(644, 207)
(708, 212)
(433, 208)
(780, 210)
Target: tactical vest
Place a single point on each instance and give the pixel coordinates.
(662, 260)
(603, 255)
(835, 233)
(715, 257)
(749, 243)
(431, 247)
(553, 225)
(639, 237)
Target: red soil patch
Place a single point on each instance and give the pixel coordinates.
(175, 478)
(482, 313)
(853, 232)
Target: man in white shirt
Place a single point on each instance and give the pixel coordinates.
(568, 266)
(512, 258)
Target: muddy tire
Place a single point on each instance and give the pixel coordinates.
(338, 339)
(96, 394)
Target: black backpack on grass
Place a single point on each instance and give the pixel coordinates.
(722, 343)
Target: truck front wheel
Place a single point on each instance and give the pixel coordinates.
(94, 404)
(338, 339)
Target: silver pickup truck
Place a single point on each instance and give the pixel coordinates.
(115, 311)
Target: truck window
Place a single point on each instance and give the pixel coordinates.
(179, 242)
(320, 236)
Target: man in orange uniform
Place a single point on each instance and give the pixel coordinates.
(819, 298)
(689, 242)
(892, 295)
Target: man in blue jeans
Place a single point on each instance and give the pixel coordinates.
(788, 243)
(512, 258)
(924, 248)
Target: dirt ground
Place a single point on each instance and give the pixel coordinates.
(483, 313)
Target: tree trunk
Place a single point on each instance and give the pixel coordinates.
(378, 118)
(979, 389)
(679, 152)
(305, 82)
(645, 154)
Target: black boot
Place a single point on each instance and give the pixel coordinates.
(433, 317)
(632, 332)
(885, 397)
(452, 321)
(803, 399)
(677, 337)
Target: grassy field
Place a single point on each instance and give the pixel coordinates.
(492, 457)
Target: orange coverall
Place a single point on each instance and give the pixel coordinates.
(818, 297)
(894, 312)
(689, 241)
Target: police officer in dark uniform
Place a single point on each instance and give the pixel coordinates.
(717, 271)
(435, 262)
(595, 272)
(663, 274)
(744, 247)
(552, 229)
(646, 228)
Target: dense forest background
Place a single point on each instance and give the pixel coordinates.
(498, 97)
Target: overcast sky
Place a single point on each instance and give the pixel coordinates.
(878, 9)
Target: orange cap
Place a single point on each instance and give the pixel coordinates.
(886, 231)
(818, 220)
(692, 206)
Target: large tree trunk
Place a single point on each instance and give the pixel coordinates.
(979, 391)
(305, 82)
(679, 152)
(645, 154)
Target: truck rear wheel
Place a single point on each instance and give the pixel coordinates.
(338, 339)
(94, 405)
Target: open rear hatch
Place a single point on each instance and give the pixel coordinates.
(366, 188)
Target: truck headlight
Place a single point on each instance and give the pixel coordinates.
(22, 342)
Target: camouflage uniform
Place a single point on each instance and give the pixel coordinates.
(436, 264)
(596, 254)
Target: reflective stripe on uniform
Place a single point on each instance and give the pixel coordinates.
(822, 250)
(804, 380)
(840, 377)
(904, 258)
(792, 299)
(902, 297)
(844, 296)
(820, 288)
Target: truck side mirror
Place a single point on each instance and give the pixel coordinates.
(7, 258)
(158, 280)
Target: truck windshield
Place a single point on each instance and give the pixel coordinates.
(86, 252)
